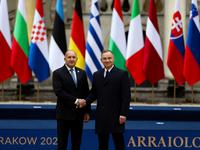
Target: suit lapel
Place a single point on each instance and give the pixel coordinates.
(77, 76)
(66, 71)
(110, 75)
(101, 78)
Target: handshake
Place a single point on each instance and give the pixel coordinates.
(80, 103)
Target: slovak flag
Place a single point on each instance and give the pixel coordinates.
(176, 49)
(38, 54)
(191, 70)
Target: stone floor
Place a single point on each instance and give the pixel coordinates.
(160, 98)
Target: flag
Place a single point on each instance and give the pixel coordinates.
(5, 42)
(117, 42)
(94, 45)
(191, 69)
(77, 39)
(20, 46)
(135, 46)
(153, 59)
(38, 55)
(176, 49)
(58, 47)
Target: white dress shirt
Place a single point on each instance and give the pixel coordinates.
(69, 69)
(106, 70)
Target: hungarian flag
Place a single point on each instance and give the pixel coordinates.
(20, 46)
(117, 42)
(191, 70)
(176, 50)
(153, 59)
(135, 46)
(58, 47)
(38, 56)
(77, 39)
(5, 42)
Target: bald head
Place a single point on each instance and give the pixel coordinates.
(70, 58)
(70, 51)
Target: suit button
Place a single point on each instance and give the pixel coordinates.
(103, 106)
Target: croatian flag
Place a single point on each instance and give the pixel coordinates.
(191, 69)
(38, 55)
(176, 50)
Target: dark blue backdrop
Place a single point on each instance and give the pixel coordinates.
(32, 127)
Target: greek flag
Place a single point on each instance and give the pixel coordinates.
(94, 45)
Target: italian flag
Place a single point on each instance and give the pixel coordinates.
(117, 37)
(135, 46)
(20, 46)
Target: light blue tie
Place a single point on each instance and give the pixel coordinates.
(73, 76)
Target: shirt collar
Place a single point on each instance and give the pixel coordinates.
(109, 69)
(70, 68)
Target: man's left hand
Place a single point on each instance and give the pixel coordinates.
(86, 117)
(122, 119)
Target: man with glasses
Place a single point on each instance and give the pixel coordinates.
(111, 89)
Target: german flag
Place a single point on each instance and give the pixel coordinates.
(77, 39)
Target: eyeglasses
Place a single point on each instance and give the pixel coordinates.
(109, 58)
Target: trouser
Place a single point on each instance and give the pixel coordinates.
(63, 128)
(118, 139)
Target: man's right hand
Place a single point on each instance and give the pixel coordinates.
(81, 103)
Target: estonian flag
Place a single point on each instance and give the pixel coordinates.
(58, 47)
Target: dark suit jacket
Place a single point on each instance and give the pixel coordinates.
(113, 99)
(67, 93)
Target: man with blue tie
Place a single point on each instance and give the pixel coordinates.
(70, 84)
